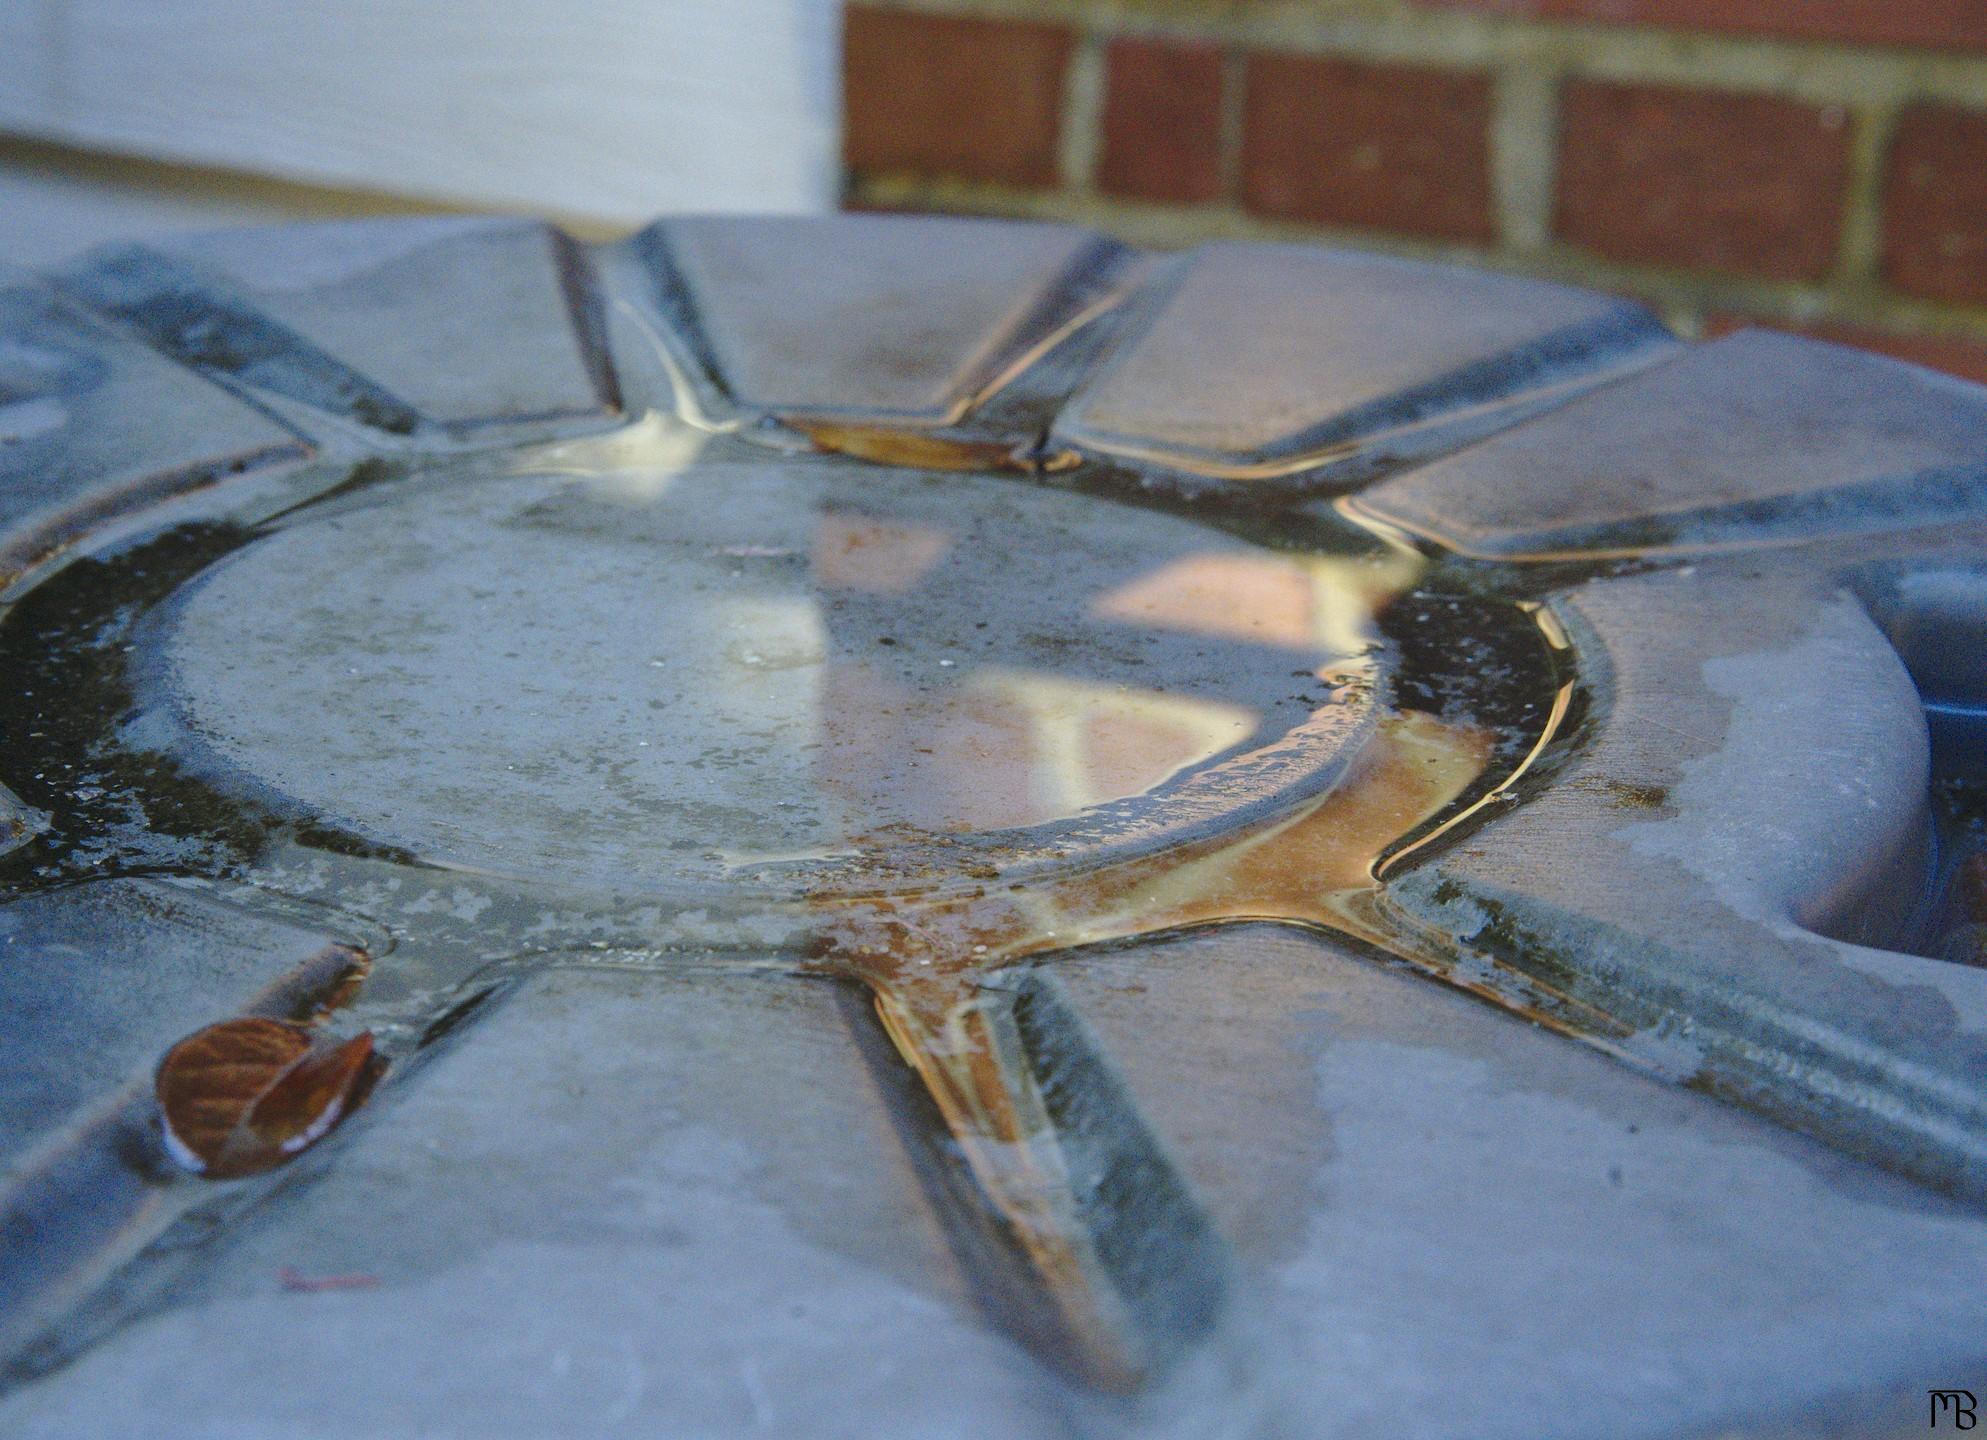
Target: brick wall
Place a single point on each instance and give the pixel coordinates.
(1819, 165)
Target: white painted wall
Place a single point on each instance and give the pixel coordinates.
(610, 110)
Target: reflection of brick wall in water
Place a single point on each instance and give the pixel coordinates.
(1815, 164)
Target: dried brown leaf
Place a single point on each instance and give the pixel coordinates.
(245, 1095)
(917, 449)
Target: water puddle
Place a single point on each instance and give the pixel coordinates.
(882, 714)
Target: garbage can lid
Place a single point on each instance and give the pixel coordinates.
(846, 824)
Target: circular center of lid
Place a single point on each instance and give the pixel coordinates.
(759, 671)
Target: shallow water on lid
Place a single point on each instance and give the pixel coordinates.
(941, 723)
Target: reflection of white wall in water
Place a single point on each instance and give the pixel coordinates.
(1072, 724)
(607, 110)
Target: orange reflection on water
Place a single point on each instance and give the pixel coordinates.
(985, 744)
(1003, 749)
(1264, 598)
(928, 967)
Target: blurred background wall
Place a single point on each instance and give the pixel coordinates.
(118, 116)
(1815, 164)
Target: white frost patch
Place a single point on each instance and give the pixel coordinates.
(26, 419)
(1963, 986)
(1550, 1244)
(461, 902)
(1821, 778)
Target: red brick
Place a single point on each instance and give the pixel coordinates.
(936, 95)
(1935, 205)
(1162, 122)
(1954, 354)
(1703, 179)
(1940, 24)
(1383, 147)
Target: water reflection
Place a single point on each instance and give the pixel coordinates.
(662, 680)
(959, 721)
